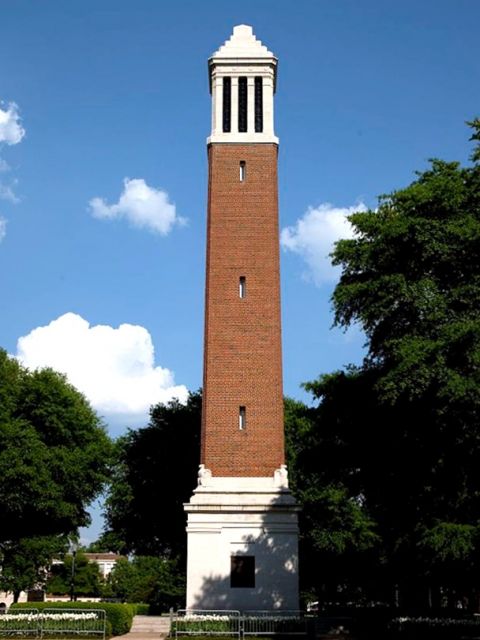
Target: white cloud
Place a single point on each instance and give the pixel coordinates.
(3, 228)
(7, 193)
(11, 129)
(143, 206)
(314, 235)
(114, 368)
(11, 132)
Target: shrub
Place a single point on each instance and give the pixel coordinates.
(119, 616)
(108, 629)
(146, 579)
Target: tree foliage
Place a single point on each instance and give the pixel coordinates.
(54, 453)
(399, 435)
(156, 581)
(24, 563)
(155, 474)
(411, 279)
(338, 537)
(77, 573)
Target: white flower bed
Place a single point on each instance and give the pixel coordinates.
(191, 617)
(33, 617)
(274, 618)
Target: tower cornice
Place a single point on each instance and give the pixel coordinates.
(251, 65)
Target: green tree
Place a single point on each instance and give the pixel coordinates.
(401, 432)
(153, 580)
(108, 542)
(83, 577)
(411, 280)
(155, 474)
(121, 581)
(54, 453)
(338, 538)
(24, 564)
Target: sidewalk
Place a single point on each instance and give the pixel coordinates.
(148, 628)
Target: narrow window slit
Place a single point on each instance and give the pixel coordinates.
(243, 170)
(242, 418)
(242, 287)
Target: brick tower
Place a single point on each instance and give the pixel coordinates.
(242, 520)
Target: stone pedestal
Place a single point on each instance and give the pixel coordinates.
(230, 520)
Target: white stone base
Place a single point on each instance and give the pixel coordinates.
(242, 516)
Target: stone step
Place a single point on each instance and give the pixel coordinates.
(152, 624)
(148, 628)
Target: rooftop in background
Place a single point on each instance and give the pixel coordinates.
(109, 557)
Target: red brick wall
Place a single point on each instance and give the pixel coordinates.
(242, 358)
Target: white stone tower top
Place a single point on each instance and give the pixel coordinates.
(242, 83)
(243, 44)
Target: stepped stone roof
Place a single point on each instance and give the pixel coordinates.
(242, 44)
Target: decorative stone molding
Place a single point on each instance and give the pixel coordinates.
(204, 475)
(280, 477)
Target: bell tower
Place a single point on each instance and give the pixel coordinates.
(242, 520)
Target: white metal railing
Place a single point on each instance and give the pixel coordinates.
(257, 623)
(76, 622)
(190, 622)
(53, 622)
(20, 622)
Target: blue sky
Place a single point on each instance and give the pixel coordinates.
(98, 91)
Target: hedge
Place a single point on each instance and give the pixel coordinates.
(119, 616)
